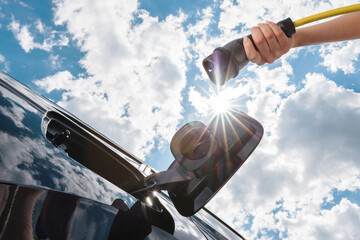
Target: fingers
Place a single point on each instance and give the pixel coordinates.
(269, 35)
(251, 53)
(282, 39)
(261, 43)
(266, 42)
(270, 41)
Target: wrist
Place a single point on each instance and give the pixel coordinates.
(297, 42)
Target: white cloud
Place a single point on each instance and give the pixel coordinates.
(136, 71)
(40, 26)
(339, 222)
(24, 5)
(312, 150)
(33, 150)
(202, 25)
(23, 35)
(276, 79)
(55, 61)
(60, 80)
(26, 38)
(202, 104)
(15, 113)
(6, 64)
(340, 56)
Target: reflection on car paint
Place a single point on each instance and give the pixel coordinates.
(46, 214)
(37, 162)
(205, 218)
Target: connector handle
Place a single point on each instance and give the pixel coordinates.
(287, 25)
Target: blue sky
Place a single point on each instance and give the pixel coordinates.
(132, 70)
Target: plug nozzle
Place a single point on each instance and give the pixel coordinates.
(226, 62)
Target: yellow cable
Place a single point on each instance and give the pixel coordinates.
(327, 14)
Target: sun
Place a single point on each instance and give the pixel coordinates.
(220, 103)
(217, 100)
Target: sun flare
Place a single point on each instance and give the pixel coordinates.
(220, 103)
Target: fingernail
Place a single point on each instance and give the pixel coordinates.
(246, 39)
(267, 21)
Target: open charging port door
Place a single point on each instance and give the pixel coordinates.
(206, 157)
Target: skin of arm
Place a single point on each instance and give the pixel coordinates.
(272, 43)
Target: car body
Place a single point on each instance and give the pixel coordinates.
(61, 179)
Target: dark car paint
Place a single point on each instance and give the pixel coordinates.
(33, 170)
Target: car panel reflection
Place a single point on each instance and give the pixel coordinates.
(28, 212)
(27, 157)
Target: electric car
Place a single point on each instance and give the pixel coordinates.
(61, 179)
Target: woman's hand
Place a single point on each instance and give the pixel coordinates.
(270, 41)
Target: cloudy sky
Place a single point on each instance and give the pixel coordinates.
(132, 70)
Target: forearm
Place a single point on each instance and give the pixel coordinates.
(272, 43)
(346, 27)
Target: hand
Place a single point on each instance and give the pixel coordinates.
(270, 41)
